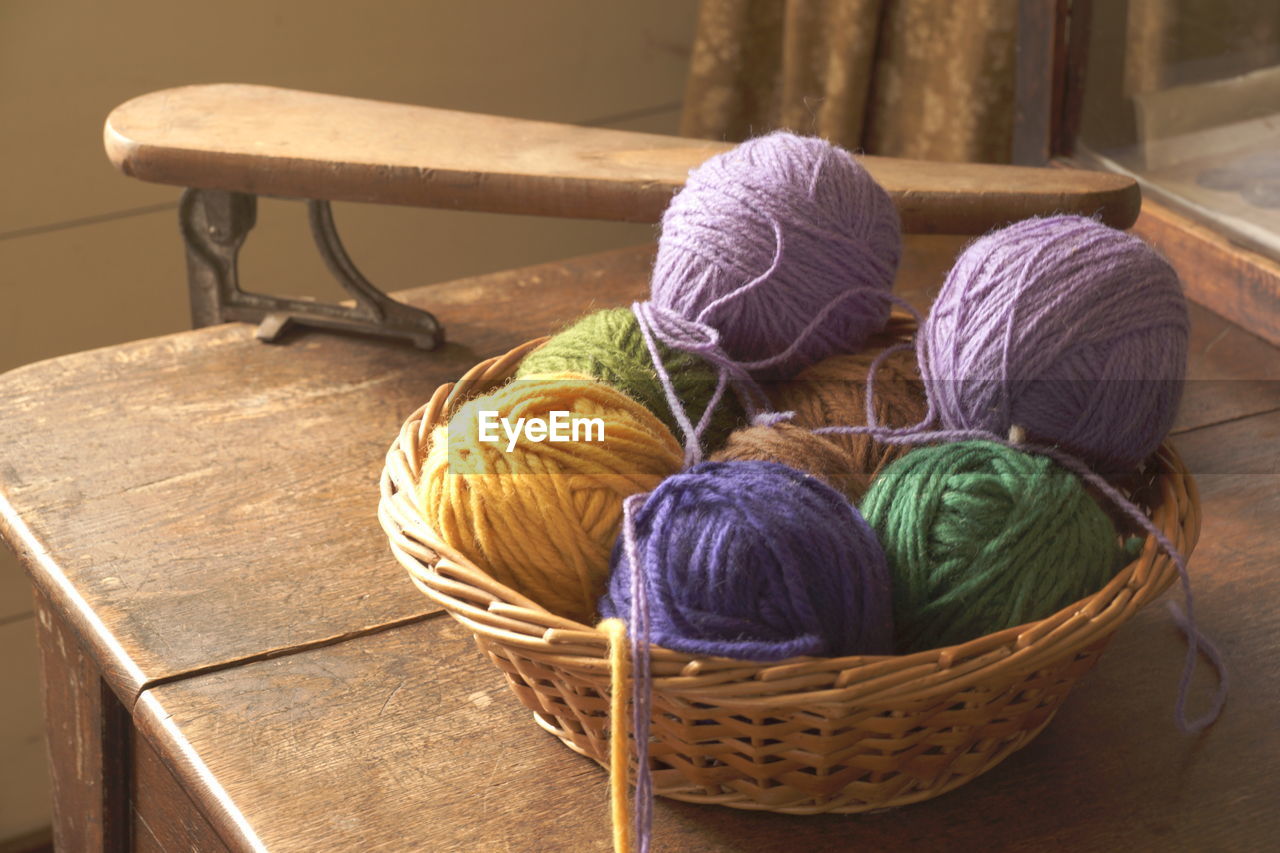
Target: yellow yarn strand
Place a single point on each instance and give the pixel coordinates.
(620, 674)
(542, 518)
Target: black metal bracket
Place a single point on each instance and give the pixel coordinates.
(214, 226)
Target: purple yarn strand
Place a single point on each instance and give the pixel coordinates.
(818, 322)
(657, 324)
(768, 419)
(698, 338)
(702, 340)
(879, 361)
(764, 277)
(722, 382)
(1187, 621)
(895, 299)
(1197, 639)
(692, 435)
(641, 679)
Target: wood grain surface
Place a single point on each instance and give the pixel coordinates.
(1237, 283)
(163, 817)
(269, 141)
(201, 498)
(1231, 373)
(87, 729)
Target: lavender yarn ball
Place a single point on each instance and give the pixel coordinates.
(757, 561)
(840, 236)
(1067, 328)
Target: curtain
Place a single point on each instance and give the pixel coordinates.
(924, 79)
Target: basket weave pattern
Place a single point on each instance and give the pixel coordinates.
(804, 736)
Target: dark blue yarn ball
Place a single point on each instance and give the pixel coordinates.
(757, 561)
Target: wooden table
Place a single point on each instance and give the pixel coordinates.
(233, 660)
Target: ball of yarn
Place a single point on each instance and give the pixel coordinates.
(833, 393)
(608, 346)
(799, 201)
(980, 537)
(795, 447)
(1067, 328)
(758, 561)
(542, 516)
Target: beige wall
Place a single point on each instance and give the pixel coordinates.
(89, 258)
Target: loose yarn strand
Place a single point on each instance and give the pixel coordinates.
(1185, 620)
(752, 396)
(879, 361)
(751, 285)
(692, 439)
(641, 685)
(608, 346)
(1210, 651)
(768, 419)
(703, 341)
(870, 393)
(895, 299)
(813, 325)
(918, 434)
(619, 668)
(722, 382)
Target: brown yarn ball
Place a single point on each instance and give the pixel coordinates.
(794, 446)
(833, 392)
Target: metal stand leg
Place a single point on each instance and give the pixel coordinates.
(214, 226)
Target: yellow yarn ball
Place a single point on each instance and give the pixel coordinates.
(542, 518)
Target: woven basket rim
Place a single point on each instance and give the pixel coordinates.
(500, 614)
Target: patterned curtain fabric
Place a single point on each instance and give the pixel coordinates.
(924, 79)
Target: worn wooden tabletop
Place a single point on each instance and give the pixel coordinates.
(203, 498)
(201, 508)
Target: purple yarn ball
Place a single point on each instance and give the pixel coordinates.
(757, 561)
(840, 236)
(1067, 328)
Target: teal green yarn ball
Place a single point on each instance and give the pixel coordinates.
(981, 537)
(607, 345)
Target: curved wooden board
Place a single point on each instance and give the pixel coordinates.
(281, 142)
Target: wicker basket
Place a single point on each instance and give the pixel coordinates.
(804, 736)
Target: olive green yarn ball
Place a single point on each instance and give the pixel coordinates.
(981, 537)
(607, 345)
